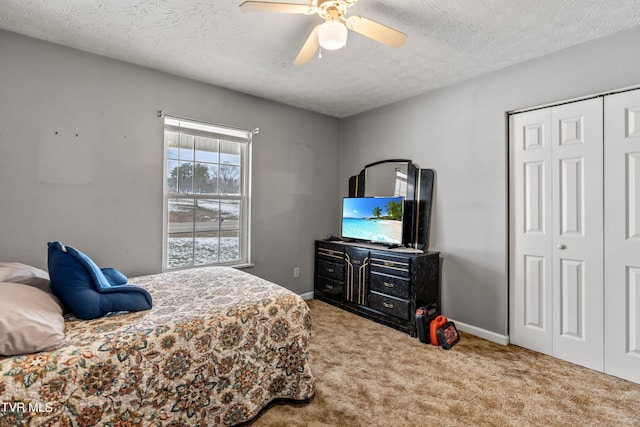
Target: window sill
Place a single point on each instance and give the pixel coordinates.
(240, 266)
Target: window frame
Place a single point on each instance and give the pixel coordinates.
(244, 140)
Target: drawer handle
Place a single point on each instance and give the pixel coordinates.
(387, 305)
(329, 286)
(387, 285)
(388, 264)
(330, 270)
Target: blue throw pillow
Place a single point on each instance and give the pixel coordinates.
(86, 290)
(114, 277)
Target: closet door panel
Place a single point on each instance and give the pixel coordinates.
(633, 304)
(530, 225)
(572, 290)
(632, 184)
(622, 235)
(577, 213)
(571, 192)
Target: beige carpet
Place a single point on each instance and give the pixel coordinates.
(371, 375)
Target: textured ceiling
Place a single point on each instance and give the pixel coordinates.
(216, 42)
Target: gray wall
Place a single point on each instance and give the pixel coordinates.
(105, 195)
(81, 160)
(461, 133)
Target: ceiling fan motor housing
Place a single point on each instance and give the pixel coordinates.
(334, 10)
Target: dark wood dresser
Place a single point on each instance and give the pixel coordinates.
(383, 285)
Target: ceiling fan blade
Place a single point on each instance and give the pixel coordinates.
(305, 9)
(309, 48)
(375, 31)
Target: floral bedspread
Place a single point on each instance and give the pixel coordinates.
(217, 346)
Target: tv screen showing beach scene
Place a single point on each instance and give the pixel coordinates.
(374, 219)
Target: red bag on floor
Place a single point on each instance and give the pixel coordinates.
(447, 335)
(433, 328)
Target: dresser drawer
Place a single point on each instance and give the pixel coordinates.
(331, 288)
(330, 252)
(390, 285)
(389, 305)
(331, 270)
(389, 264)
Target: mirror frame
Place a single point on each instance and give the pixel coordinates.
(418, 198)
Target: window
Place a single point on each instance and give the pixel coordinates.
(206, 196)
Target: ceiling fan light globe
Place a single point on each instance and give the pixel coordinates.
(332, 35)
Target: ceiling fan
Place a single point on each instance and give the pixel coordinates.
(332, 34)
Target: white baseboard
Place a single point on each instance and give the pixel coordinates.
(473, 330)
(307, 296)
(482, 333)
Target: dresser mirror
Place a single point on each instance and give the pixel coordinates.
(400, 178)
(386, 178)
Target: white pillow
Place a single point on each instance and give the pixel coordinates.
(30, 320)
(16, 272)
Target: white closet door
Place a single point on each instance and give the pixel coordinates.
(530, 238)
(622, 235)
(577, 212)
(556, 242)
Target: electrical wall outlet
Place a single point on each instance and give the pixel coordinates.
(296, 272)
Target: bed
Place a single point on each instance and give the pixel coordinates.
(218, 345)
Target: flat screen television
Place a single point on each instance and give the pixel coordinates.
(373, 219)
